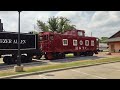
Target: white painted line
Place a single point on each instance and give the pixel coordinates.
(89, 74)
(42, 76)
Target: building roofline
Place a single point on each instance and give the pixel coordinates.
(114, 34)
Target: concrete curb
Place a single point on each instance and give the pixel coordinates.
(52, 70)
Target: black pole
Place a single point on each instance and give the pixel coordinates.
(19, 54)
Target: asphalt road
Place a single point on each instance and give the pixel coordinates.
(105, 71)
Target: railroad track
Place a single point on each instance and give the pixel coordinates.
(47, 62)
(33, 63)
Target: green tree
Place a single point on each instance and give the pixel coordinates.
(42, 26)
(58, 24)
(103, 39)
(63, 22)
(53, 24)
(68, 27)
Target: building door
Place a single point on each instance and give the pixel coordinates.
(112, 48)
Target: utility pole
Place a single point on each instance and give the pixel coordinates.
(19, 54)
(91, 34)
(18, 68)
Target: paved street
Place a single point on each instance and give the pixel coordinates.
(105, 71)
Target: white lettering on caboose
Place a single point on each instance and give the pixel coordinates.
(76, 48)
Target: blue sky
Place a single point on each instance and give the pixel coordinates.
(100, 23)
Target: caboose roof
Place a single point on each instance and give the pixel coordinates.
(75, 30)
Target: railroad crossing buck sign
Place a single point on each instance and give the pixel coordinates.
(9, 41)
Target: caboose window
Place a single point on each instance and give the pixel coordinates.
(92, 42)
(51, 37)
(80, 33)
(44, 37)
(86, 42)
(65, 42)
(74, 42)
(41, 38)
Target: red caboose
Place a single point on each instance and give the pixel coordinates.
(54, 45)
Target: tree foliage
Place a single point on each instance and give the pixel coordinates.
(42, 26)
(103, 39)
(56, 24)
(53, 24)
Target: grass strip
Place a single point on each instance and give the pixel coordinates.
(57, 66)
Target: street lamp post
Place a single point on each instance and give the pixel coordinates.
(19, 54)
(19, 67)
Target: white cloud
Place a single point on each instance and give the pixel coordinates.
(76, 17)
(29, 19)
(105, 23)
(79, 18)
(100, 23)
(69, 14)
(9, 20)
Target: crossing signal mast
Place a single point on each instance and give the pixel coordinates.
(91, 34)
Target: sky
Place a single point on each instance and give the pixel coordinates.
(100, 23)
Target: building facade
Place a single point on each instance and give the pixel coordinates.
(114, 43)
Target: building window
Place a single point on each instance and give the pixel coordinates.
(65, 42)
(92, 42)
(86, 42)
(81, 42)
(74, 42)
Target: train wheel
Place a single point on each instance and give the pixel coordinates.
(46, 56)
(35, 57)
(28, 59)
(39, 57)
(23, 58)
(49, 56)
(76, 54)
(63, 55)
(7, 60)
(59, 55)
(85, 53)
(91, 53)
